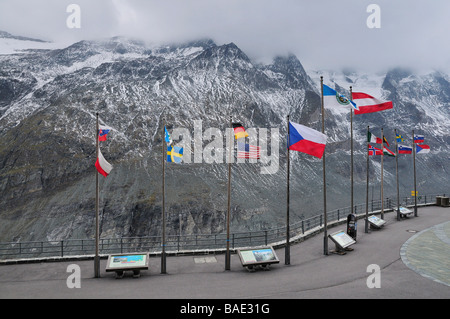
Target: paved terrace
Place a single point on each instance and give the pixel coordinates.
(413, 255)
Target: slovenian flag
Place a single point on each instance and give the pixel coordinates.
(368, 104)
(422, 149)
(418, 138)
(103, 167)
(402, 149)
(306, 140)
(332, 99)
(103, 132)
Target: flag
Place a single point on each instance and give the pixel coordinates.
(403, 149)
(388, 152)
(103, 132)
(167, 137)
(373, 139)
(422, 149)
(332, 99)
(239, 131)
(306, 140)
(248, 151)
(368, 104)
(418, 138)
(385, 141)
(174, 154)
(400, 138)
(374, 151)
(103, 167)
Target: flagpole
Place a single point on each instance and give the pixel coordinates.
(163, 235)
(325, 234)
(351, 156)
(227, 255)
(415, 186)
(97, 226)
(366, 223)
(287, 249)
(382, 173)
(396, 169)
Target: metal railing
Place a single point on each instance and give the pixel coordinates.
(195, 243)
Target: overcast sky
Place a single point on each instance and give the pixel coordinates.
(323, 34)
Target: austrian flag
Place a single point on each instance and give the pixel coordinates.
(368, 104)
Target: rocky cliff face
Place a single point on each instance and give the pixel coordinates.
(48, 101)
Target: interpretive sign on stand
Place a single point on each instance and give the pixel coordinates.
(132, 262)
(342, 241)
(405, 212)
(376, 222)
(262, 257)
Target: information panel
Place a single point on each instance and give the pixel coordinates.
(127, 262)
(405, 211)
(375, 221)
(342, 239)
(259, 256)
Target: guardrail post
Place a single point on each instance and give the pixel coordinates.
(62, 248)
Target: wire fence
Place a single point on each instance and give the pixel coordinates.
(195, 243)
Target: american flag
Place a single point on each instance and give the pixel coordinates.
(248, 151)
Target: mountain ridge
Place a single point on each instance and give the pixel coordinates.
(47, 146)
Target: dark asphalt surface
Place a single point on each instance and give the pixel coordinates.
(311, 274)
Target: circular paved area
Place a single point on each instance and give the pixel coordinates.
(428, 253)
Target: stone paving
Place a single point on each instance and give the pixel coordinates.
(428, 253)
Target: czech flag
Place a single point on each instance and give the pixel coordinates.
(103, 132)
(103, 167)
(402, 149)
(306, 140)
(422, 149)
(418, 138)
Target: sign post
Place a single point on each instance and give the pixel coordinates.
(342, 241)
(254, 257)
(123, 262)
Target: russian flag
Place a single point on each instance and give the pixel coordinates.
(402, 149)
(419, 138)
(306, 140)
(422, 148)
(103, 167)
(103, 132)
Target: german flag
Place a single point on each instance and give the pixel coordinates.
(239, 131)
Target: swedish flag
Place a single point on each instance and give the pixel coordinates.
(174, 154)
(399, 138)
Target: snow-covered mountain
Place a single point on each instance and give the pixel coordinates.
(49, 98)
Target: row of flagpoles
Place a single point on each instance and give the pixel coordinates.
(300, 138)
